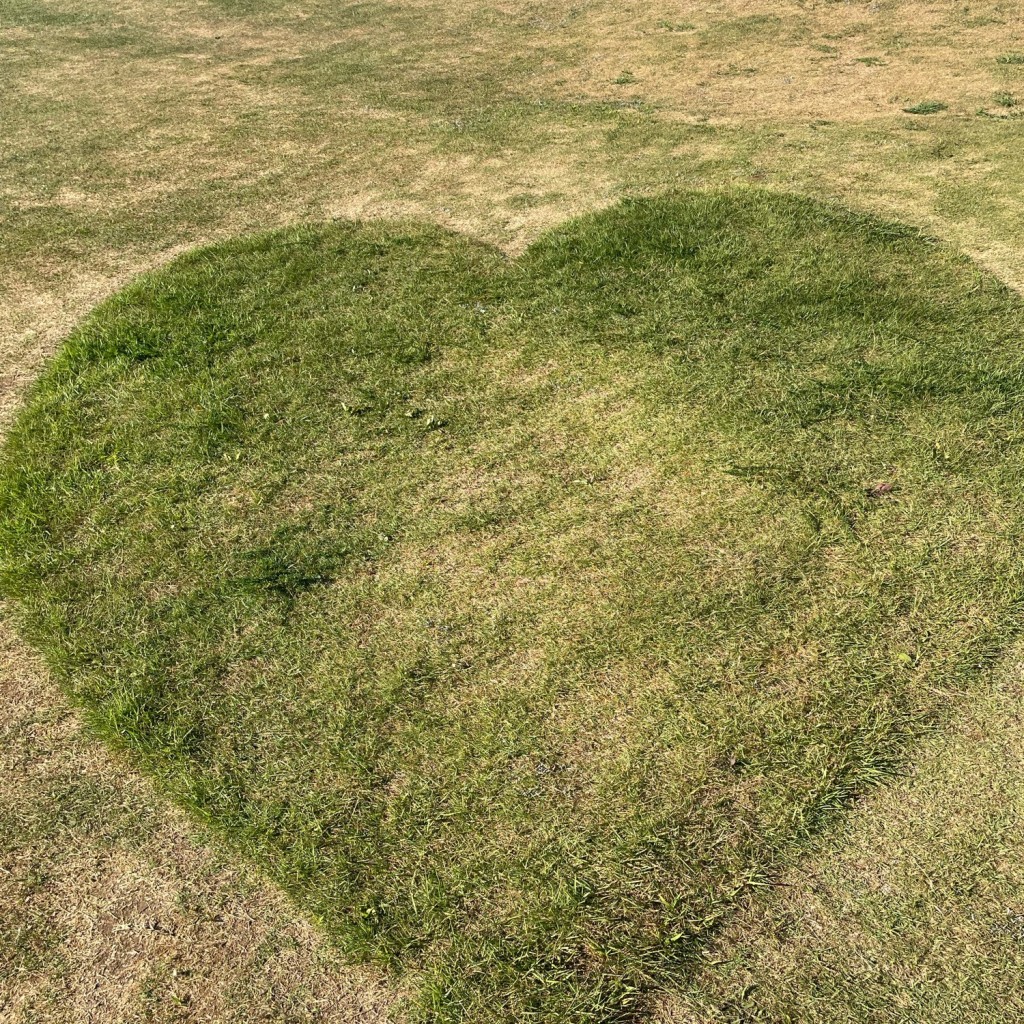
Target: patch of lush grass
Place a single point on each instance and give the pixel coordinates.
(926, 107)
(517, 617)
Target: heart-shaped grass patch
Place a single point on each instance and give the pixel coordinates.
(519, 616)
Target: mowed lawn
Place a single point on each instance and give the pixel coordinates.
(535, 473)
(520, 617)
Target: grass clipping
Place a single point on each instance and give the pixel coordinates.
(517, 617)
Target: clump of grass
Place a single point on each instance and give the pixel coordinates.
(1005, 99)
(517, 617)
(926, 107)
(626, 78)
(1010, 58)
(871, 62)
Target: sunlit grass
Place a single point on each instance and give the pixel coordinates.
(519, 615)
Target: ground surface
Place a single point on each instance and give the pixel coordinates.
(521, 617)
(132, 131)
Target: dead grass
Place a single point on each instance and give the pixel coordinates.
(792, 62)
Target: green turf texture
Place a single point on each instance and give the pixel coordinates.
(519, 616)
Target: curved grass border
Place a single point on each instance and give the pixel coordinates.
(518, 616)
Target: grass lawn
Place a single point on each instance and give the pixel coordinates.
(134, 131)
(521, 617)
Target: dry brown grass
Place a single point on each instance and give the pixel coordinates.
(739, 61)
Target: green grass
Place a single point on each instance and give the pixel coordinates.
(519, 617)
(926, 107)
(909, 910)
